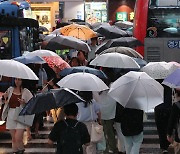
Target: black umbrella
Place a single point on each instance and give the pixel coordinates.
(111, 32)
(50, 100)
(94, 71)
(123, 42)
(67, 42)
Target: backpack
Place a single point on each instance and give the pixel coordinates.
(178, 124)
(70, 141)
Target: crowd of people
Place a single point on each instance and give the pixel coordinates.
(125, 123)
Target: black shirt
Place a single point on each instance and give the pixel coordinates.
(61, 126)
(132, 122)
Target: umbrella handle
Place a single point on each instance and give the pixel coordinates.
(46, 85)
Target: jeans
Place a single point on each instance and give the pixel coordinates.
(133, 143)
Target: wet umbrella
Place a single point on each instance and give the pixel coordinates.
(115, 60)
(83, 82)
(124, 24)
(124, 50)
(111, 32)
(78, 31)
(50, 100)
(28, 59)
(140, 62)
(137, 90)
(159, 70)
(67, 42)
(123, 42)
(173, 80)
(53, 61)
(12, 68)
(96, 25)
(86, 69)
(41, 53)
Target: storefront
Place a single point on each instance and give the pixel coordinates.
(95, 12)
(122, 10)
(46, 13)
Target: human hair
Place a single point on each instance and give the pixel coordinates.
(87, 96)
(71, 109)
(72, 59)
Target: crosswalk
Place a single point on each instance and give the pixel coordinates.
(39, 146)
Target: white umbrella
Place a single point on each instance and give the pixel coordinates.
(41, 53)
(115, 60)
(83, 82)
(159, 70)
(12, 68)
(137, 90)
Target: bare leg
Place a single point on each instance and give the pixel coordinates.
(19, 138)
(28, 130)
(14, 146)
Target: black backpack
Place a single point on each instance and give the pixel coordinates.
(70, 141)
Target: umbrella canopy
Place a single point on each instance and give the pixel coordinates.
(53, 61)
(83, 82)
(28, 59)
(140, 62)
(137, 90)
(79, 31)
(173, 80)
(111, 32)
(67, 42)
(159, 70)
(175, 63)
(96, 25)
(41, 53)
(50, 100)
(86, 69)
(124, 50)
(124, 24)
(123, 41)
(12, 68)
(115, 60)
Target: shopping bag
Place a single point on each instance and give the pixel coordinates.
(96, 132)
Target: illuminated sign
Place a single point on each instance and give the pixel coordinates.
(122, 16)
(131, 16)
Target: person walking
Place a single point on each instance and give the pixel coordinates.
(89, 112)
(14, 97)
(132, 129)
(108, 108)
(173, 129)
(69, 134)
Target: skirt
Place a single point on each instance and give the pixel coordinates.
(11, 123)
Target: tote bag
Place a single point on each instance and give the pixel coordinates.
(24, 119)
(96, 130)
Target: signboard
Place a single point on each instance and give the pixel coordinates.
(122, 16)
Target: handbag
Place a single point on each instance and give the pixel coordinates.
(23, 119)
(96, 130)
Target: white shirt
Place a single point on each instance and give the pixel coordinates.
(107, 106)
